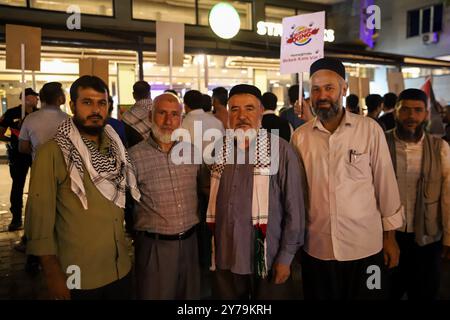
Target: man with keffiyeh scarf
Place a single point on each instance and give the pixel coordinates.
(76, 200)
(256, 208)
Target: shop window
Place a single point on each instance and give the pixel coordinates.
(98, 7)
(425, 20)
(276, 14)
(243, 8)
(15, 3)
(165, 10)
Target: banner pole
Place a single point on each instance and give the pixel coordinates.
(170, 62)
(300, 93)
(22, 64)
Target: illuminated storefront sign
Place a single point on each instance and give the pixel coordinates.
(276, 30)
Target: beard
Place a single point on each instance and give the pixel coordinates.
(95, 130)
(165, 138)
(408, 135)
(326, 114)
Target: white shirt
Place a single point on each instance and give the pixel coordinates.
(40, 126)
(208, 121)
(409, 165)
(353, 197)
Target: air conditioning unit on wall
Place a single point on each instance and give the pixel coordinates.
(430, 38)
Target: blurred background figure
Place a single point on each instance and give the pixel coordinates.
(352, 103)
(387, 120)
(219, 102)
(270, 120)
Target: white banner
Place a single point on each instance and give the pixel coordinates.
(302, 42)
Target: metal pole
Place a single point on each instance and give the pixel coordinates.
(206, 73)
(170, 62)
(22, 64)
(140, 60)
(300, 92)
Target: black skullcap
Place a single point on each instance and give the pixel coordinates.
(245, 88)
(413, 94)
(328, 64)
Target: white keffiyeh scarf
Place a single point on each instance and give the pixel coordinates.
(260, 198)
(111, 173)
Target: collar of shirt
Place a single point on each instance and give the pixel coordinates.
(347, 120)
(196, 112)
(269, 112)
(144, 103)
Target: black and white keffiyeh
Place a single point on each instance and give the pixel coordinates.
(111, 173)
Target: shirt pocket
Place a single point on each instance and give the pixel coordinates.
(358, 166)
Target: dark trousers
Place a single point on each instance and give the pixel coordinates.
(117, 290)
(18, 169)
(231, 286)
(167, 269)
(418, 273)
(344, 280)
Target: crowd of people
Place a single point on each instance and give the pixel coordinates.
(361, 204)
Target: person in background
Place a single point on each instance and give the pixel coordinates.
(352, 104)
(19, 163)
(374, 104)
(422, 165)
(117, 125)
(289, 114)
(387, 120)
(207, 103)
(219, 102)
(136, 122)
(270, 120)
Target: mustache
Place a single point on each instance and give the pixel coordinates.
(95, 116)
(324, 101)
(243, 123)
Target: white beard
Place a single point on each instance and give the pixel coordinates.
(162, 137)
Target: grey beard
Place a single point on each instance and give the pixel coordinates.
(327, 114)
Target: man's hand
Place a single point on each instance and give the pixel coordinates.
(303, 110)
(281, 272)
(390, 249)
(446, 253)
(57, 287)
(56, 279)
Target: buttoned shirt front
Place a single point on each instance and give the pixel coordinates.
(169, 191)
(353, 193)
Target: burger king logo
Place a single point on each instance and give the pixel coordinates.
(302, 35)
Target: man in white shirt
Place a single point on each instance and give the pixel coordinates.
(41, 126)
(422, 166)
(354, 204)
(197, 117)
